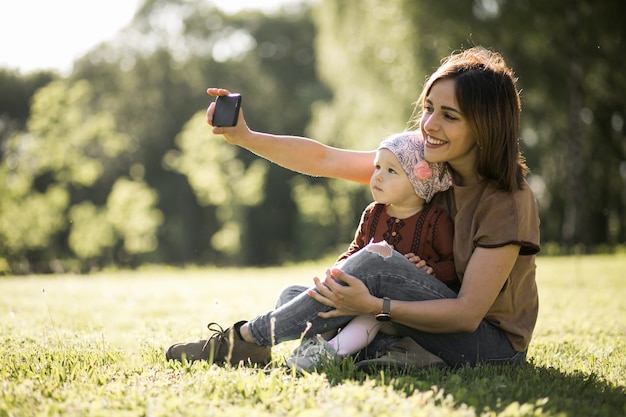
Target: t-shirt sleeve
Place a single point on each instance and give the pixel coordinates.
(503, 220)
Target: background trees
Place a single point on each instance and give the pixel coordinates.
(115, 164)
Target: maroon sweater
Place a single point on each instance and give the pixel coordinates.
(428, 234)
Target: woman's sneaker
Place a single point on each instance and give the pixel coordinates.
(404, 354)
(310, 353)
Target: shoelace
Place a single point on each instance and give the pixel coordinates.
(218, 334)
(314, 347)
(311, 347)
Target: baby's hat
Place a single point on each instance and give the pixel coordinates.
(427, 178)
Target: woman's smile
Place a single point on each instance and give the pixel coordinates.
(434, 141)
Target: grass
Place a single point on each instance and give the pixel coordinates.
(93, 346)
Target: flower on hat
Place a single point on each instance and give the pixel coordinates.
(422, 170)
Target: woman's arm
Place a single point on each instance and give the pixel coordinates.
(484, 277)
(298, 154)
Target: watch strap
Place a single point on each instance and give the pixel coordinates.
(385, 314)
(386, 306)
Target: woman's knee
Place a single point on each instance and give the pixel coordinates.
(379, 256)
(383, 249)
(289, 293)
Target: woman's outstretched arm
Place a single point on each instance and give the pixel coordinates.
(296, 153)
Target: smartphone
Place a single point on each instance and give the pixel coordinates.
(226, 110)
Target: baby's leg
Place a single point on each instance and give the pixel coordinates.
(356, 335)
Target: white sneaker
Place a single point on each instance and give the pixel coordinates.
(310, 353)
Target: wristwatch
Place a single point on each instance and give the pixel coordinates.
(385, 314)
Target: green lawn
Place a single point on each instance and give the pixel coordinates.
(93, 346)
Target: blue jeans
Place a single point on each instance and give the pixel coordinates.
(397, 278)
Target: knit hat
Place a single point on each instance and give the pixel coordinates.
(427, 178)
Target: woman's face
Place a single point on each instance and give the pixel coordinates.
(446, 132)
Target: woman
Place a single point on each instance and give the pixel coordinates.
(469, 118)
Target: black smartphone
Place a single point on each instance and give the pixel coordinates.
(226, 110)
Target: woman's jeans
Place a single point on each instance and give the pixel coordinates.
(385, 276)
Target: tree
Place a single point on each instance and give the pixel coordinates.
(16, 93)
(150, 81)
(219, 179)
(48, 174)
(269, 59)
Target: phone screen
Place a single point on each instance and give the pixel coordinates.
(226, 110)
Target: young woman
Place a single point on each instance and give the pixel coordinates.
(469, 118)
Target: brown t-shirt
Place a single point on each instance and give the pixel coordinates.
(428, 234)
(490, 218)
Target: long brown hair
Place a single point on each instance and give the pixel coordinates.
(488, 97)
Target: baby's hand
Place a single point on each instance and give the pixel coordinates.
(419, 262)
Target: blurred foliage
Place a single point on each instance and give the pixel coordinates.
(114, 164)
(148, 83)
(219, 179)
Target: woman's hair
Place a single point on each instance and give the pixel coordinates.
(487, 96)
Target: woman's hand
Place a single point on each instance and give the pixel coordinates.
(350, 297)
(419, 262)
(232, 134)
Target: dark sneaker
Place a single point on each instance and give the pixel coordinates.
(224, 346)
(404, 354)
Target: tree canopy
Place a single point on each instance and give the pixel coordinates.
(114, 164)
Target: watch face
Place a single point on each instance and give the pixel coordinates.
(383, 317)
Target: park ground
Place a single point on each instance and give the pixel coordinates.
(92, 345)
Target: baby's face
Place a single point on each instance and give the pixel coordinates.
(389, 183)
